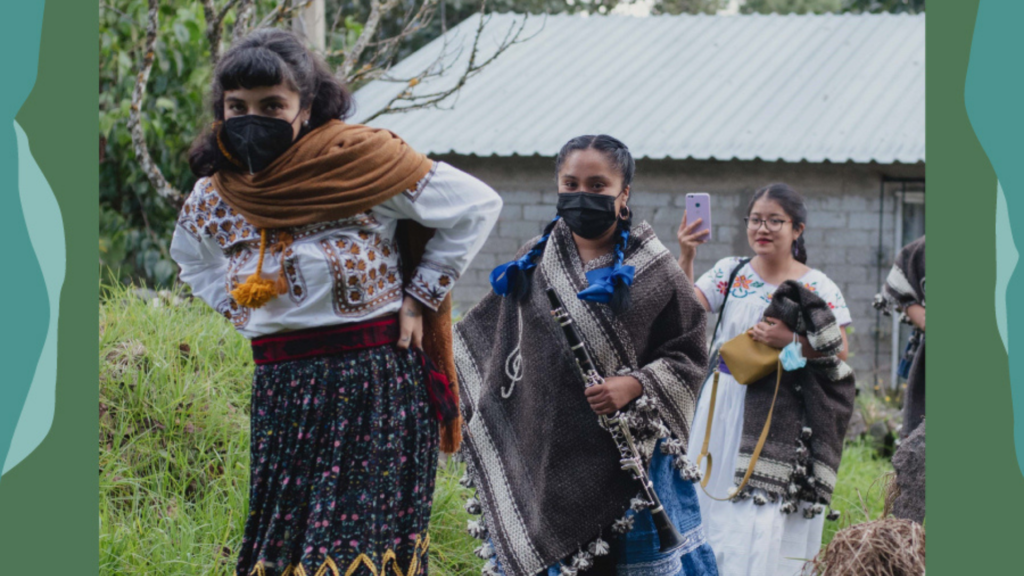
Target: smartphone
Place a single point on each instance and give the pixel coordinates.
(698, 205)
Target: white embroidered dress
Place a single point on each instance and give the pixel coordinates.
(749, 540)
(337, 272)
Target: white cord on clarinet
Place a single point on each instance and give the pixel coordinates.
(514, 361)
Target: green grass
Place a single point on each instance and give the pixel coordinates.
(860, 487)
(174, 448)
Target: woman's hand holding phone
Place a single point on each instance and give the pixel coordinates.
(689, 238)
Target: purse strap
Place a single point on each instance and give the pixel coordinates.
(757, 449)
(728, 290)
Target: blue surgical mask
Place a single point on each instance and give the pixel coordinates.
(792, 356)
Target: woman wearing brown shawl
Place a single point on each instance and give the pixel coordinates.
(333, 247)
(554, 497)
(903, 293)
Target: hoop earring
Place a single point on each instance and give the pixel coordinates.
(629, 213)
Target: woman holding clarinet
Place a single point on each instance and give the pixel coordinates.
(579, 376)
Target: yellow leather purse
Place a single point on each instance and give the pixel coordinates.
(749, 361)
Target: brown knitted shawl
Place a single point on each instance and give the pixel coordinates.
(800, 459)
(336, 171)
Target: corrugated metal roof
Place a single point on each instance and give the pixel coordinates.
(797, 87)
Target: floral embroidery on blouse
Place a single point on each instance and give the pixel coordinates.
(414, 193)
(232, 310)
(748, 284)
(204, 213)
(432, 283)
(296, 283)
(237, 314)
(742, 286)
(365, 272)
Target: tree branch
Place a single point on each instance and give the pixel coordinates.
(214, 26)
(378, 10)
(434, 99)
(386, 48)
(243, 19)
(152, 171)
(281, 12)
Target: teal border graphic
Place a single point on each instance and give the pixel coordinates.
(975, 485)
(46, 232)
(49, 188)
(995, 82)
(19, 34)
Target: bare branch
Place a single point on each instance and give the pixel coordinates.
(378, 10)
(224, 11)
(369, 30)
(215, 26)
(243, 20)
(385, 50)
(152, 171)
(441, 65)
(282, 12)
(407, 100)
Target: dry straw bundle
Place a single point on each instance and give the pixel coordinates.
(886, 547)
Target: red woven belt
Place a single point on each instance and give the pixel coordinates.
(325, 341)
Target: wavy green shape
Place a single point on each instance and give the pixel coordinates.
(992, 96)
(46, 231)
(24, 290)
(1006, 261)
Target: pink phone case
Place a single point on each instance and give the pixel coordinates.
(698, 205)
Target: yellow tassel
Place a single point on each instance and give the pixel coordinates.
(256, 291)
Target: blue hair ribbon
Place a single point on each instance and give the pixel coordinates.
(503, 277)
(601, 282)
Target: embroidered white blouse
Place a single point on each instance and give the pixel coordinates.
(337, 272)
(750, 296)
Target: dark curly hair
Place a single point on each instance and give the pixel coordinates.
(268, 57)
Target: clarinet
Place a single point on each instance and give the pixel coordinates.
(668, 535)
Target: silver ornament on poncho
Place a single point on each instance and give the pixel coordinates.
(490, 569)
(623, 525)
(599, 547)
(568, 571)
(485, 550)
(477, 529)
(583, 561)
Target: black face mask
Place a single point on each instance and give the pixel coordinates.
(588, 214)
(256, 141)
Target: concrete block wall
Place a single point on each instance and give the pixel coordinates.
(843, 202)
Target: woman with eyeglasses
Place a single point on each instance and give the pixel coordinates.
(755, 531)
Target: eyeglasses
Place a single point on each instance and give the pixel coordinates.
(772, 224)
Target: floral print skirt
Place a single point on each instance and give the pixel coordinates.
(344, 451)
